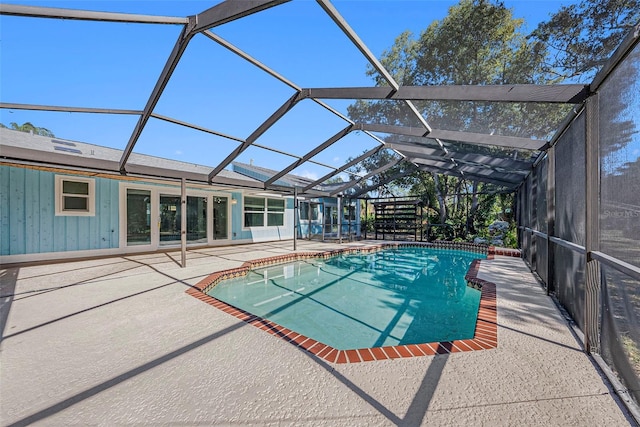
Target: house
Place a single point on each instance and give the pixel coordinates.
(63, 199)
(319, 217)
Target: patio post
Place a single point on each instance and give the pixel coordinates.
(592, 224)
(183, 221)
(295, 218)
(551, 214)
(340, 218)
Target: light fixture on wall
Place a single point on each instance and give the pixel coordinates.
(234, 201)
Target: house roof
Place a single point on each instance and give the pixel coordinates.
(23, 146)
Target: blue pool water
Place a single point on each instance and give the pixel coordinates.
(405, 295)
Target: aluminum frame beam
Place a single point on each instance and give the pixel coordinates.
(229, 10)
(491, 162)
(235, 50)
(195, 127)
(174, 57)
(522, 172)
(66, 109)
(442, 163)
(480, 171)
(355, 182)
(342, 168)
(335, 138)
(486, 139)
(413, 150)
(86, 15)
(351, 34)
(381, 183)
(348, 31)
(418, 151)
(450, 135)
(433, 169)
(560, 93)
(217, 15)
(279, 113)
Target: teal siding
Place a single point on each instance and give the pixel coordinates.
(108, 224)
(17, 210)
(4, 208)
(28, 223)
(47, 211)
(236, 220)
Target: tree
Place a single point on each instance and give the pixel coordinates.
(490, 50)
(580, 38)
(28, 127)
(480, 43)
(334, 180)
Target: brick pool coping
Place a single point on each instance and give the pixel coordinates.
(485, 337)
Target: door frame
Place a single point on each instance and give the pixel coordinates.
(155, 192)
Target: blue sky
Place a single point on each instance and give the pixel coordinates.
(113, 65)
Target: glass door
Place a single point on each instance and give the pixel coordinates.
(330, 220)
(138, 217)
(196, 219)
(170, 217)
(315, 220)
(220, 218)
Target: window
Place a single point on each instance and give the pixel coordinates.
(275, 212)
(259, 212)
(304, 211)
(75, 196)
(349, 213)
(254, 212)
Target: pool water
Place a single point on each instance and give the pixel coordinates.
(405, 295)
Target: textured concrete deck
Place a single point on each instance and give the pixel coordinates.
(117, 341)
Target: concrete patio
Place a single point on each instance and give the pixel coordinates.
(117, 341)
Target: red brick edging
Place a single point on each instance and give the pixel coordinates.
(485, 337)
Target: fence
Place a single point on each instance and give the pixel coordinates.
(579, 219)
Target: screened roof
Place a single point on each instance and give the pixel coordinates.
(288, 113)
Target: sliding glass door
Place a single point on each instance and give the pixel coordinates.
(220, 218)
(138, 216)
(152, 217)
(171, 217)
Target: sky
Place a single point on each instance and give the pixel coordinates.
(116, 65)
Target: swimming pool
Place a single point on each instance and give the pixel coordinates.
(398, 296)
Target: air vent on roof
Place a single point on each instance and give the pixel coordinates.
(67, 150)
(57, 141)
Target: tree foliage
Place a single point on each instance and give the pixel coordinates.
(480, 42)
(579, 38)
(492, 49)
(29, 127)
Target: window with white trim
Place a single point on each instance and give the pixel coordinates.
(261, 212)
(275, 212)
(75, 196)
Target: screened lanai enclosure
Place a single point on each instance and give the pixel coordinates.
(570, 151)
(579, 217)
